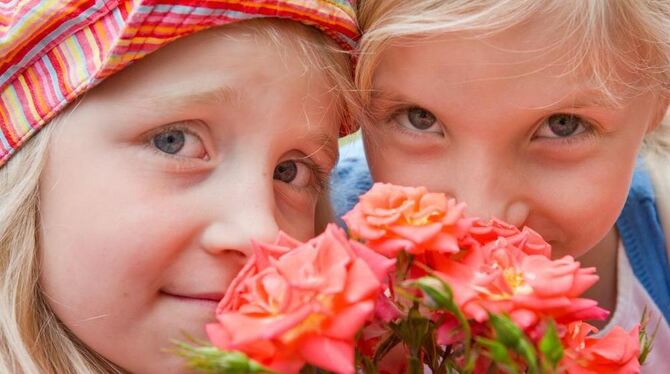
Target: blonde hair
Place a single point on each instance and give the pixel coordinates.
(32, 339)
(318, 51)
(607, 39)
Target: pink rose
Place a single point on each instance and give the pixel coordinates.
(527, 240)
(296, 303)
(616, 352)
(488, 231)
(501, 277)
(391, 219)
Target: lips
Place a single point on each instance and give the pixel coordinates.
(214, 297)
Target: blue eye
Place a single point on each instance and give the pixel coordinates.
(170, 142)
(179, 142)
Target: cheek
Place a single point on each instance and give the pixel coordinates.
(402, 159)
(391, 163)
(104, 255)
(102, 243)
(102, 271)
(298, 223)
(580, 206)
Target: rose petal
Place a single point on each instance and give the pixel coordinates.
(361, 282)
(380, 265)
(347, 322)
(329, 354)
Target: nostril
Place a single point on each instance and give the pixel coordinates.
(241, 254)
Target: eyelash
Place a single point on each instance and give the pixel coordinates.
(385, 113)
(589, 133)
(393, 111)
(319, 176)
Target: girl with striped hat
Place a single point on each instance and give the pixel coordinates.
(123, 221)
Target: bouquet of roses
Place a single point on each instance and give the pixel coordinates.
(416, 287)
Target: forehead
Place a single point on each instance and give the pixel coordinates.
(519, 59)
(229, 63)
(227, 55)
(557, 45)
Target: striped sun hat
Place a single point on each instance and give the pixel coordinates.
(52, 51)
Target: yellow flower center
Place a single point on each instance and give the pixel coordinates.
(424, 220)
(312, 323)
(516, 281)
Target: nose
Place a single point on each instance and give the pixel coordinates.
(490, 191)
(243, 213)
(235, 237)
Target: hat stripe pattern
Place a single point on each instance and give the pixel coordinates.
(54, 50)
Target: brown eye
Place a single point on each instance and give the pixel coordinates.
(286, 171)
(295, 173)
(420, 118)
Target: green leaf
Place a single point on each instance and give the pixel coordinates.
(527, 351)
(437, 294)
(514, 338)
(387, 344)
(209, 359)
(365, 364)
(414, 365)
(646, 341)
(506, 331)
(404, 262)
(550, 346)
(414, 330)
(497, 352)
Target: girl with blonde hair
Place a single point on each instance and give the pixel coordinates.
(546, 114)
(124, 220)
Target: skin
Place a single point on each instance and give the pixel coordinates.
(139, 244)
(489, 140)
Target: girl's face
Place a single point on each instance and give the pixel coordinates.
(510, 128)
(159, 178)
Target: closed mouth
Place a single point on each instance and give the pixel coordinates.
(207, 298)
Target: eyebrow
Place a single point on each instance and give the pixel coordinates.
(377, 94)
(586, 98)
(207, 96)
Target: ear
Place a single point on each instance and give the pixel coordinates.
(662, 112)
